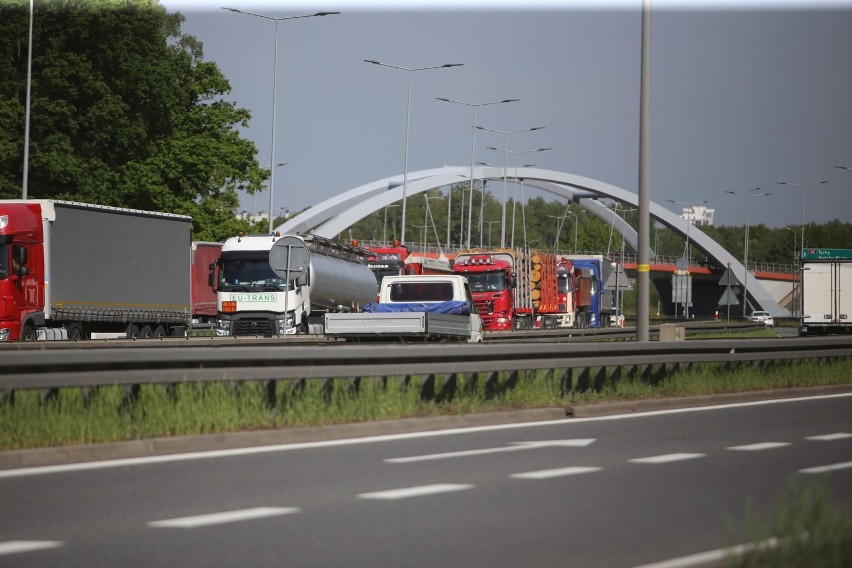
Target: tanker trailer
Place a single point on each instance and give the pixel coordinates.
(273, 285)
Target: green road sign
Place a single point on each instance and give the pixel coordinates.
(826, 254)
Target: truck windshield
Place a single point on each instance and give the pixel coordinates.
(485, 281)
(248, 275)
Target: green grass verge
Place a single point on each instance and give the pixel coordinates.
(29, 419)
(804, 529)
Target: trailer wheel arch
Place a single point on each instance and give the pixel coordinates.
(74, 332)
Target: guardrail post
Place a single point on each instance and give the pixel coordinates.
(566, 382)
(427, 388)
(7, 397)
(614, 375)
(599, 378)
(269, 390)
(448, 388)
(583, 380)
(491, 384)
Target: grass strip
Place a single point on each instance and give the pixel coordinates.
(30, 419)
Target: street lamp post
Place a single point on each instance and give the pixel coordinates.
(410, 71)
(745, 245)
(689, 222)
(489, 230)
(385, 230)
(472, 153)
(274, 94)
(795, 263)
(802, 187)
(505, 167)
(506, 150)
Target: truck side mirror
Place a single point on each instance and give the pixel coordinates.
(513, 281)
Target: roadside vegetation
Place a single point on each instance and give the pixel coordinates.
(32, 419)
(802, 530)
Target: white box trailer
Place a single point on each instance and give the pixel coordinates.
(826, 291)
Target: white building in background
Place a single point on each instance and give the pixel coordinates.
(698, 215)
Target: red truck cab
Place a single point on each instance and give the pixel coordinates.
(491, 284)
(22, 280)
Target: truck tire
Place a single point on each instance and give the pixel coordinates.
(132, 331)
(28, 333)
(145, 332)
(74, 332)
(159, 331)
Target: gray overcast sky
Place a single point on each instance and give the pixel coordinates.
(741, 98)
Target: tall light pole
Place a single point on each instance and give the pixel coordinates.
(410, 71)
(274, 88)
(472, 153)
(576, 227)
(745, 246)
(25, 179)
(688, 221)
(385, 230)
(795, 263)
(505, 167)
(802, 187)
(515, 152)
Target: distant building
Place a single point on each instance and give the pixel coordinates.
(698, 215)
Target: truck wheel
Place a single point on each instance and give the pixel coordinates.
(145, 332)
(132, 331)
(28, 333)
(159, 331)
(74, 332)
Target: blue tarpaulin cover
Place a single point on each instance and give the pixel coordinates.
(455, 307)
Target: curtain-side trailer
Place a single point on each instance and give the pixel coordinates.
(70, 270)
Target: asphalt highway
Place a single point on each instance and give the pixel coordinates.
(621, 490)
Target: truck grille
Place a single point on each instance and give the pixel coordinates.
(254, 327)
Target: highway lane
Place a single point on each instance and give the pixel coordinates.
(613, 491)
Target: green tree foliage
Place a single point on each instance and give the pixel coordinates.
(124, 112)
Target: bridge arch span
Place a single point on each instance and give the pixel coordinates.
(334, 215)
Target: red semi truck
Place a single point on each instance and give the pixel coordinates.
(75, 270)
(513, 289)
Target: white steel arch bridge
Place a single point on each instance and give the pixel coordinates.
(334, 215)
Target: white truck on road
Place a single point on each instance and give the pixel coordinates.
(826, 291)
(417, 307)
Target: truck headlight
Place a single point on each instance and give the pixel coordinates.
(223, 327)
(4, 335)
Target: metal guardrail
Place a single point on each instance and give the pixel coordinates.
(275, 360)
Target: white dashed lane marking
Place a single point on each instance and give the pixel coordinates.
(223, 518)
(759, 447)
(830, 437)
(667, 458)
(827, 468)
(420, 491)
(548, 473)
(18, 546)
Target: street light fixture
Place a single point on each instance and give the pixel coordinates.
(745, 245)
(410, 71)
(505, 167)
(802, 187)
(274, 88)
(472, 153)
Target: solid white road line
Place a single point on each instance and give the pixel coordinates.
(415, 491)
(17, 546)
(711, 557)
(667, 458)
(224, 517)
(548, 473)
(758, 447)
(827, 468)
(830, 437)
(513, 447)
